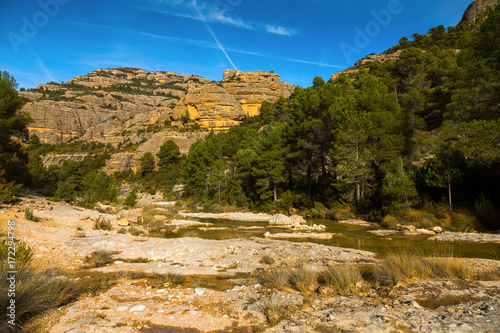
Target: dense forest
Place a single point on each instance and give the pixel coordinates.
(413, 140)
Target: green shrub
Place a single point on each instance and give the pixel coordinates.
(28, 215)
(8, 190)
(23, 253)
(319, 210)
(131, 198)
(65, 191)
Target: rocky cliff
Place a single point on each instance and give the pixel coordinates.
(66, 111)
(252, 88)
(211, 106)
(477, 7)
(105, 102)
(137, 111)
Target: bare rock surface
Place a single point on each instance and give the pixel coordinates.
(325, 235)
(416, 307)
(231, 216)
(196, 256)
(251, 89)
(466, 237)
(211, 106)
(477, 7)
(358, 222)
(236, 301)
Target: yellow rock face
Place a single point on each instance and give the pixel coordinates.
(251, 89)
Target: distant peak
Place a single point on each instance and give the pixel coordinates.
(477, 7)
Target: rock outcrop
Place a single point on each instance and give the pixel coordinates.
(132, 109)
(477, 7)
(58, 160)
(211, 106)
(99, 105)
(251, 89)
(67, 111)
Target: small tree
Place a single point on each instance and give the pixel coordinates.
(318, 82)
(131, 198)
(169, 155)
(7, 189)
(398, 189)
(147, 164)
(444, 169)
(34, 142)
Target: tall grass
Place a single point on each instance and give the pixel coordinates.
(278, 277)
(274, 310)
(417, 263)
(305, 279)
(342, 277)
(36, 290)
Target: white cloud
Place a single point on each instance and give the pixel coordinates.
(279, 30)
(214, 12)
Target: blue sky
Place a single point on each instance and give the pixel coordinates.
(56, 40)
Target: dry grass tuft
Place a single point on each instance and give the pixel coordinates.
(415, 263)
(342, 277)
(98, 259)
(275, 310)
(173, 279)
(278, 277)
(305, 279)
(135, 231)
(267, 259)
(102, 224)
(36, 290)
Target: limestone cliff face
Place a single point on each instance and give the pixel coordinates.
(56, 122)
(128, 107)
(98, 105)
(477, 7)
(58, 160)
(252, 88)
(211, 106)
(67, 111)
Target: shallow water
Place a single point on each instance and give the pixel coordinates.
(349, 236)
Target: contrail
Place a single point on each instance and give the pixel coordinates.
(46, 71)
(202, 18)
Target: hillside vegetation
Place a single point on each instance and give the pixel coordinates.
(414, 138)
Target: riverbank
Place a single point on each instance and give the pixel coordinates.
(227, 284)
